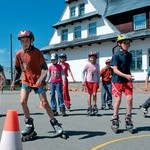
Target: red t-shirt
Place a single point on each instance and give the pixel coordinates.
(65, 67)
(55, 73)
(30, 64)
(106, 74)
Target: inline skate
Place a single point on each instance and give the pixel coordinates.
(58, 129)
(28, 133)
(89, 111)
(128, 123)
(115, 123)
(144, 111)
(95, 110)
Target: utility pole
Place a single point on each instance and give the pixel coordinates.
(11, 61)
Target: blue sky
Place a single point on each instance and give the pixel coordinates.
(36, 15)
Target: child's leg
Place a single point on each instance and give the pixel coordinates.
(89, 99)
(129, 100)
(66, 94)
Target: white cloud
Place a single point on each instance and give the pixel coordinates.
(2, 51)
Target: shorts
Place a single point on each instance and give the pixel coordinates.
(37, 90)
(91, 87)
(119, 88)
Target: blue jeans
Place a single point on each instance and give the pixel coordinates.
(146, 104)
(56, 88)
(106, 94)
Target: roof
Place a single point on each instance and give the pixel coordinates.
(76, 19)
(141, 34)
(81, 42)
(120, 6)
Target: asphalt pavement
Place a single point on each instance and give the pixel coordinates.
(85, 133)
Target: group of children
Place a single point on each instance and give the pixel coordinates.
(116, 79)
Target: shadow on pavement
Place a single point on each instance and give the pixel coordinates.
(140, 129)
(84, 134)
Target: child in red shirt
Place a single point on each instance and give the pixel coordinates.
(66, 69)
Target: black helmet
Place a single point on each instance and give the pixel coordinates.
(63, 56)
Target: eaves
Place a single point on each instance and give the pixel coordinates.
(71, 21)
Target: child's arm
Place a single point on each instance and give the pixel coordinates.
(70, 72)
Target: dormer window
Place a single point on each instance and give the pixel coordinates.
(139, 21)
(81, 9)
(92, 28)
(64, 35)
(72, 12)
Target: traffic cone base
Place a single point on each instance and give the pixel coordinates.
(11, 137)
(11, 141)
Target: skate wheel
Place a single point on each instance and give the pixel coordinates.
(64, 136)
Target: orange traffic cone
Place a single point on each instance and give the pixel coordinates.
(11, 138)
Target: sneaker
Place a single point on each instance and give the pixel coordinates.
(62, 112)
(55, 112)
(68, 108)
(110, 106)
(103, 108)
(143, 110)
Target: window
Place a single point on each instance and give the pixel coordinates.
(73, 12)
(139, 21)
(92, 28)
(64, 35)
(136, 59)
(149, 57)
(77, 32)
(81, 9)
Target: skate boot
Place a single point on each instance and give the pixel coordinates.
(144, 111)
(128, 123)
(28, 133)
(89, 111)
(115, 123)
(63, 112)
(58, 129)
(95, 110)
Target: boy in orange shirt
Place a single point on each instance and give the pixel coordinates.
(30, 63)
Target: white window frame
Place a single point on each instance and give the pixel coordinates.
(92, 26)
(64, 35)
(81, 9)
(77, 31)
(135, 58)
(72, 12)
(139, 21)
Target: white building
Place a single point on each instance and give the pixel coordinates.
(93, 25)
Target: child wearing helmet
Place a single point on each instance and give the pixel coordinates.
(56, 79)
(2, 78)
(91, 80)
(122, 80)
(30, 65)
(106, 85)
(66, 69)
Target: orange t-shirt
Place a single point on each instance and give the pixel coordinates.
(30, 64)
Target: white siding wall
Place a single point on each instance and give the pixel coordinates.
(78, 57)
(102, 28)
(88, 8)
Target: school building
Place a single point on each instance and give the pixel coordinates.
(93, 25)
